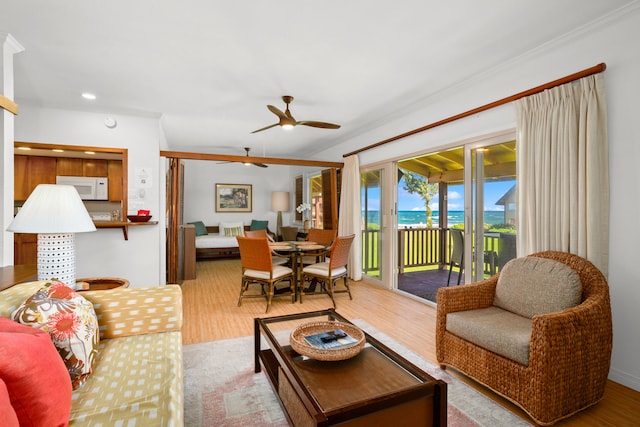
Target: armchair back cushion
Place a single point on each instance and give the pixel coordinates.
(530, 285)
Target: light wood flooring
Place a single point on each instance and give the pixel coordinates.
(211, 313)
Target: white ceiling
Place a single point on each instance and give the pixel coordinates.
(208, 68)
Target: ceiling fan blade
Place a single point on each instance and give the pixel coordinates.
(260, 165)
(318, 124)
(277, 112)
(265, 128)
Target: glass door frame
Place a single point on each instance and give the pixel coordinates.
(388, 225)
(473, 197)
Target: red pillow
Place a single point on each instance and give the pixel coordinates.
(9, 415)
(36, 377)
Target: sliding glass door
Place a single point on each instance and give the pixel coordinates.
(372, 213)
(492, 207)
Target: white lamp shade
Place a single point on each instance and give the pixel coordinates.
(52, 208)
(280, 201)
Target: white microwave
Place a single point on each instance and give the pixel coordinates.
(89, 188)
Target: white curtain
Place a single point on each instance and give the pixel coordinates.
(350, 213)
(563, 171)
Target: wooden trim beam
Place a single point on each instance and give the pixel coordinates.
(251, 159)
(43, 146)
(8, 105)
(567, 79)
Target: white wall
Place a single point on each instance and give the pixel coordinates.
(105, 253)
(200, 178)
(612, 41)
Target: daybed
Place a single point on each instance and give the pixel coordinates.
(137, 377)
(539, 333)
(218, 243)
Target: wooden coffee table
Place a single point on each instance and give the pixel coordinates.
(376, 387)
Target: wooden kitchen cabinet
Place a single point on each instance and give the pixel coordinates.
(29, 171)
(94, 167)
(25, 248)
(20, 183)
(82, 167)
(69, 167)
(114, 169)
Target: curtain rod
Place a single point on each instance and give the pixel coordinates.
(567, 79)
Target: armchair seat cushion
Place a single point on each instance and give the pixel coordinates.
(495, 329)
(278, 271)
(322, 269)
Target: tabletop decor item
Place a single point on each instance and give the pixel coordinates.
(327, 340)
(55, 213)
(139, 218)
(303, 208)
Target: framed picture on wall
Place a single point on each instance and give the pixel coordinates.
(233, 198)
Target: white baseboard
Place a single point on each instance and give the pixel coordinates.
(625, 379)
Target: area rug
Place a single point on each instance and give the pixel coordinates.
(221, 388)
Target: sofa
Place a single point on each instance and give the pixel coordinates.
(137, 375)
(539, 333)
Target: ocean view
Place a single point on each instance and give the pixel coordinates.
(407, 218)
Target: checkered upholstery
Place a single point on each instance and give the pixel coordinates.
(138, 375)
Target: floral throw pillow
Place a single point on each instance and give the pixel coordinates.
(70, 321)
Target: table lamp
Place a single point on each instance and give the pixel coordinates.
(279, 203)
(55, 213)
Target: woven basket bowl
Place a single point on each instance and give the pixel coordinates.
(299, 344)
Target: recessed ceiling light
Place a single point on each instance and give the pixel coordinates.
(87, 95)
(89, 152)
(57, 150)
(24, 148)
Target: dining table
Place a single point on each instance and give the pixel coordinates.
(296, 250)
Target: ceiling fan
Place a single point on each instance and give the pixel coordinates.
(288, 122)
(246, 163)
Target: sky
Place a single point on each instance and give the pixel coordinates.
(413, 202)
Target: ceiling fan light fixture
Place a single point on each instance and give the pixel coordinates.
(288, 122)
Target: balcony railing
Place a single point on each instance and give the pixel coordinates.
(423, 247)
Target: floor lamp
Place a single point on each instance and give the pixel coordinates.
(279, 203)
(55, 213)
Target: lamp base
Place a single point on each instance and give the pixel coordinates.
(57, 258)
(279, 224)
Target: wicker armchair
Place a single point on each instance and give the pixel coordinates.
(569, 353)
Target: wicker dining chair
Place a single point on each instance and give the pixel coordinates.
(275, 259)
(321, 237)
(327, 273)
(289, 233)
(569, 351)
(256, 233)
(258, 268)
